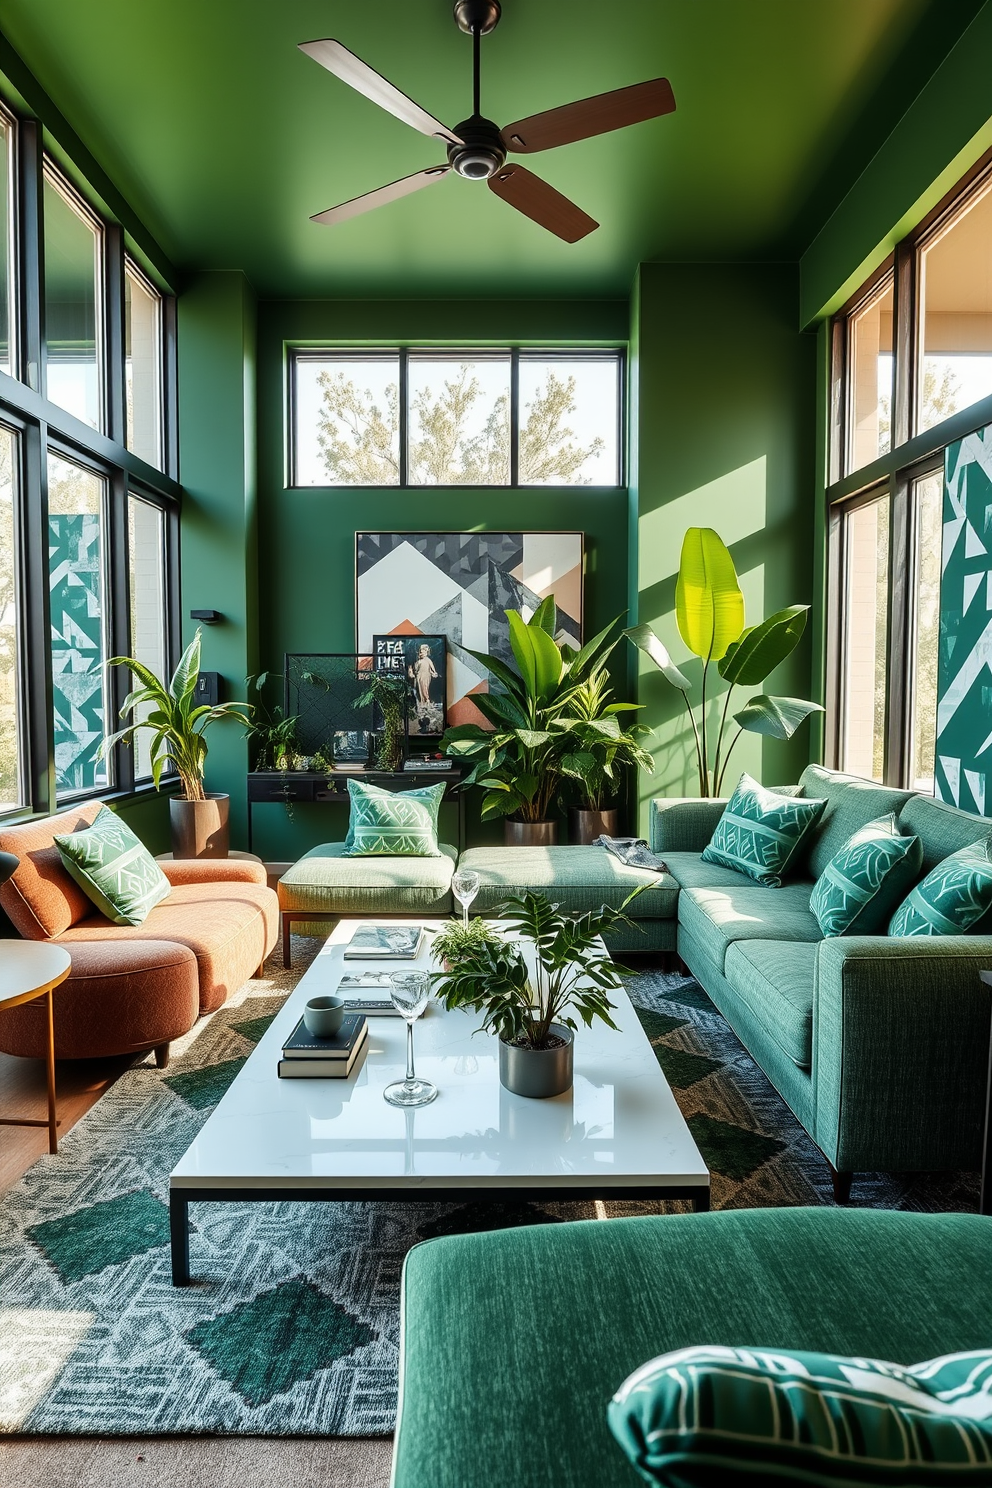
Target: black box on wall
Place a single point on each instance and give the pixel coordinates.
(208, 686)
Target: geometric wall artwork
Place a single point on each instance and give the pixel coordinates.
(459, 585)
(76, 588)
(964, 658)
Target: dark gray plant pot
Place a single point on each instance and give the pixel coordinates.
(538, 1073)
(200, 829)
(585, 826)
(530, 834)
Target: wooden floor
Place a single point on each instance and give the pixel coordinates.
(79, 1084)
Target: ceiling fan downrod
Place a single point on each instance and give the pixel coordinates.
(482, 152)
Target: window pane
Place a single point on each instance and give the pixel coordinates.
(11, 793)
(143, 366)
(866, 546)
(928, 496)
(72, 267)
(569, 418)
(78, 614)
(146, 585)
(347, 430)
(6, 247)
(956, 315)
(459, 421)
(870, 352)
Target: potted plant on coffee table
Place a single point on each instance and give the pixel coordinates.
(198, 819)
(528, 988)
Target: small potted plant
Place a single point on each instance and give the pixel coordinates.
(388, 695)
(198, 819)
(457, 940)
(527, 989)
(595, 752)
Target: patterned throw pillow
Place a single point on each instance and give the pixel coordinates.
(705, 1416)
(759, 831)
(114, 869)
(952, 897)
(393, 823)
(863, 882)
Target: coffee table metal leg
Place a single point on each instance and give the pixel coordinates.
(53, 1126)
(179, 1234)
(701, 1201)
(287, 944)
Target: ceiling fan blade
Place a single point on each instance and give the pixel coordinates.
(520, 188)
(590, 116)
(357, 74)
(382, 196)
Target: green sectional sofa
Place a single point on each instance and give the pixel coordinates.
(514, 1341)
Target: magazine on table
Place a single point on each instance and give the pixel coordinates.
(385, 943)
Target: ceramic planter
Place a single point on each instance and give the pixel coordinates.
(530, 834)
(200, 829)
(537, 1073)
(585, 826)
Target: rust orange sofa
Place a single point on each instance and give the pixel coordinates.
(132, 988)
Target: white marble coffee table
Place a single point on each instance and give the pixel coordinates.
(617, 1133)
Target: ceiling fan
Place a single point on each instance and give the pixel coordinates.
(477, 148)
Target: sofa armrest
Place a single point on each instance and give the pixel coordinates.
(214, 870)
(683, 823)
(901, 1051)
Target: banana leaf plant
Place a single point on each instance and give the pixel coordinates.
(517, 761)
(709, 610)
(176, 722)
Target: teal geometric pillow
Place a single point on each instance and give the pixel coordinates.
(703, 1417)
(114, 869)
(863, 882)
(393, 823)
(759, 831)
(951, 898)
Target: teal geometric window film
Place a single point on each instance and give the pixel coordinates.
(964, 663)
(77, 597)
(11, 777)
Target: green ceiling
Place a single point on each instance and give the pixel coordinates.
(225, 138)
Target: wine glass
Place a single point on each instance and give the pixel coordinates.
(465, 886)
(410, 991)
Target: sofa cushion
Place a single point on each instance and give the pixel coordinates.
(774, 980)
(863, 882)
(942, 829)
(690, 871)
(715, 918)
(851, 803)
(41, 899)
(577, 878)
(386, 823)
(760, 833)
(710, 1414)
(952, 898)
(114, 869)
(328, 879)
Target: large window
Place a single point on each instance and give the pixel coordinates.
(142, 366)
(148, 606)
(866, 593)
(73, 264)
(956, 312)
(6, 245)
(455, 418)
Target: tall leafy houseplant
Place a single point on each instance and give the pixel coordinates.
(595, 746)
(709, 609)
(518, 760)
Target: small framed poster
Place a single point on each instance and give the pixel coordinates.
(421, 660)
(351, 746)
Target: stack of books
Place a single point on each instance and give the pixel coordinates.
(385, 943)
(307, 1058)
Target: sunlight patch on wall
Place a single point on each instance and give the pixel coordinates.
(734, 505)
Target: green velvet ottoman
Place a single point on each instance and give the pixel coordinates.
(579, 878)
(325, 884)
(514, 1341)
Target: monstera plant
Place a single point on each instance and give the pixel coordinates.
(709, 609)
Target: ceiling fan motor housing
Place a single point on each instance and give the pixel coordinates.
(482, 152)
(477, 15)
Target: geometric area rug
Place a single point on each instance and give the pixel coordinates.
(292, 1325)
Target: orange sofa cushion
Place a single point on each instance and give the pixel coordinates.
(41, 900)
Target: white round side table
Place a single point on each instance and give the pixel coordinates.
(29, 970)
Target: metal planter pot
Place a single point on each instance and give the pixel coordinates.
(538, 1073)
(585, 826)
(200, 829)
(530, 834)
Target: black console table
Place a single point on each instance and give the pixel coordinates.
(290, 787)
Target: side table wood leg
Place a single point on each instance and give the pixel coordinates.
(53, 1133)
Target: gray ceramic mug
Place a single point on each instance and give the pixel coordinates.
(323, 1016)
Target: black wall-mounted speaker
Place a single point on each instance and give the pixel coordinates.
(208, 687)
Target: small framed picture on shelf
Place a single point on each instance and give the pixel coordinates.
(351, 747)
(421, 660)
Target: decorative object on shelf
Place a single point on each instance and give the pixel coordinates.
(465, 886)
(459, 585)
(351, 747)
(709, 609)
(387, 694)
(421, 662)
(321, 690)
(525, 988)
(457, 937)
(199, 820)
(517, 756)
(409, 991)
(596, 752)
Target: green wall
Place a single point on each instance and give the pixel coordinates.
(723, 436)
